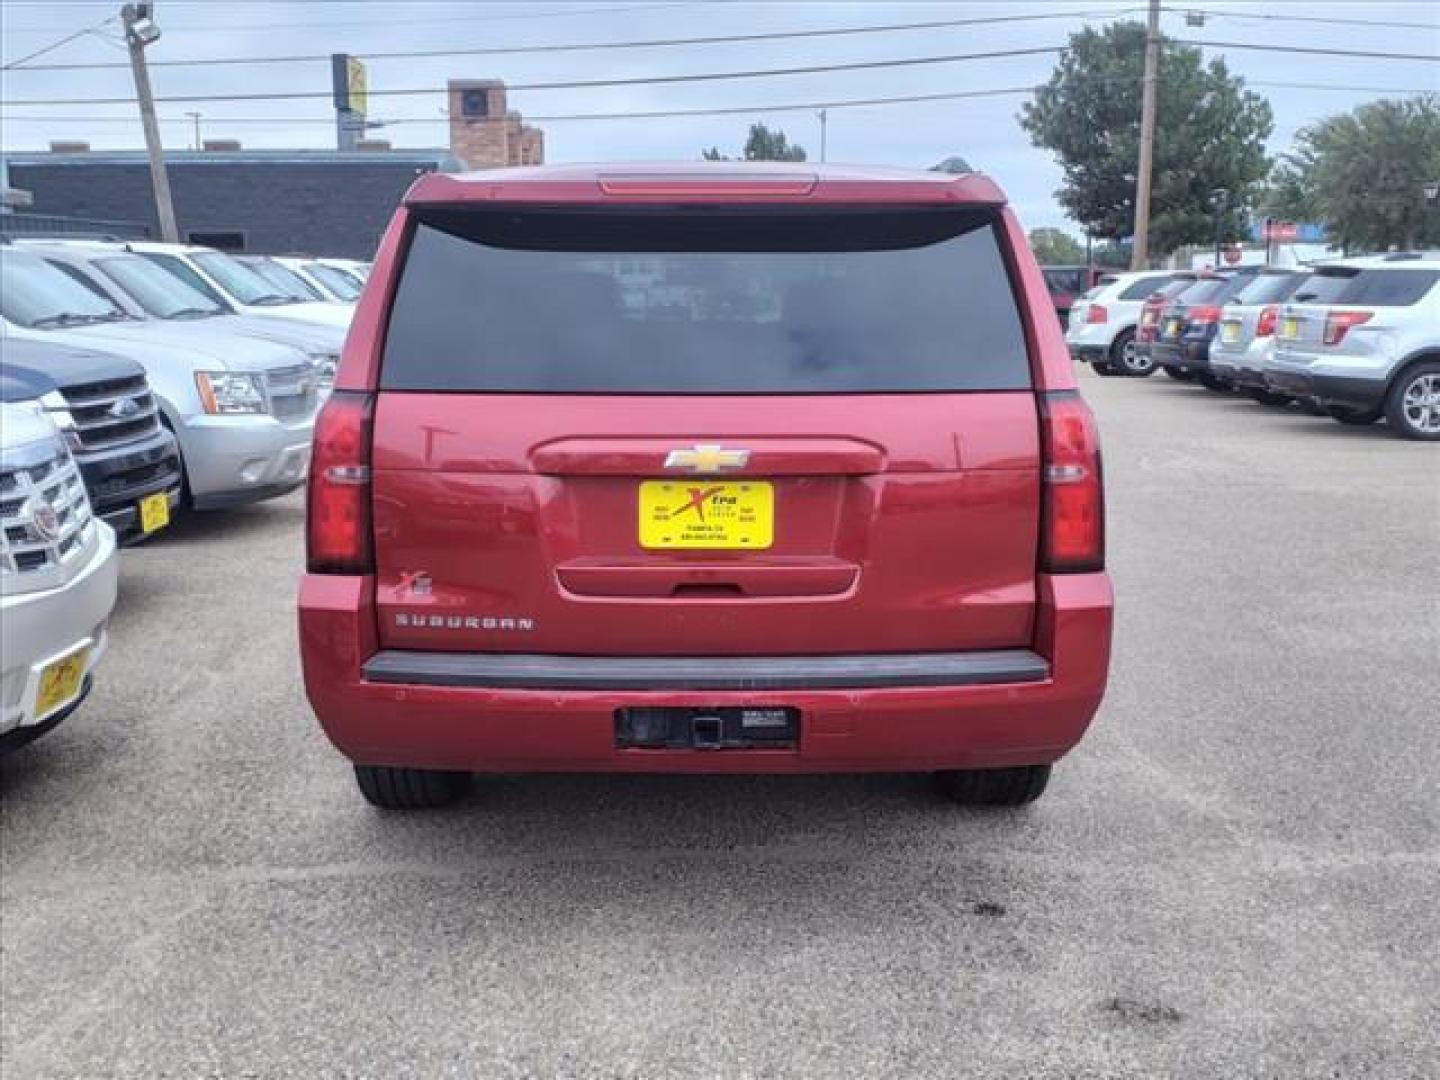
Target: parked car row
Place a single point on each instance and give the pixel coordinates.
(1357, 339)
(136, 381)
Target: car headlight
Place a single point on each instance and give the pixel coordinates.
(326, 364)
(230, 393)
(58, 409)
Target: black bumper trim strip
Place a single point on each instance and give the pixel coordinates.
(526, 671)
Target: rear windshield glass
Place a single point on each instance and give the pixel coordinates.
(1139, 290)
(1205, 291)
(1324, 286)
(1269, 288)
(1065, 279)
(1174, 289)
(705, 303)
(1389, 288)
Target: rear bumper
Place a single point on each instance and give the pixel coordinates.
(493, 713)
(1339, 391)
(1192, 356)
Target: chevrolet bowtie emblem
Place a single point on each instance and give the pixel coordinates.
(707, 458)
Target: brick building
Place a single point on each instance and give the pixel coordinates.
(484, 133)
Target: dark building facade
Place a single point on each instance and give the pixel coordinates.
(318, 202)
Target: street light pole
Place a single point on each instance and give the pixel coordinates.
(1140, 253)
(195, 116)
(140, 31)
(1218, 198)
(823, 118)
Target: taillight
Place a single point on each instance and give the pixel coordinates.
(1202, 314)
(1072, 512)
(1149, 316)
(1338, 324)
(1096, 313)
(1269, 316)
(338, 522)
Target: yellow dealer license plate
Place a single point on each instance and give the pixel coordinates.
(60, 682)
(1172, 328)
(1229, 332)
(154, 512)
(707, 514)
(1291, 328)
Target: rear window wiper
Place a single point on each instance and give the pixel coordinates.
(192, 313)
(272, 299)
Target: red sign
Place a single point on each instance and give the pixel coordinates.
(1281, 232)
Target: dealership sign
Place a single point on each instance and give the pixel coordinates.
(1280, 231)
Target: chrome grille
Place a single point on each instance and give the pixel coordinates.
(44, 513)
(112, 413)
(294, 391)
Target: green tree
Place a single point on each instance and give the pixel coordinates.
(1055, 247)
(763, 145)
(1210, 133)
(1362, 175)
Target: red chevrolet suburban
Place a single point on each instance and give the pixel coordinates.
(733, 468)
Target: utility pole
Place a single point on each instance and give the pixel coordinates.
(1140, 253)
(141, 31)
(195, 116)
(822, 114)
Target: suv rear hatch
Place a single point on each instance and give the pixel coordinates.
(705, 431)
(1344, 310)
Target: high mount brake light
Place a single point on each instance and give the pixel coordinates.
(1338, 324)
(711, 185)
(338, 518)
(1072, 538)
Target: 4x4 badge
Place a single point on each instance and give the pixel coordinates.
(707, 458)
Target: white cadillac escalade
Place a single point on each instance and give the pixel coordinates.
(57, 578)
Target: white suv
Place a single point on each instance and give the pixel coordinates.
(1102, 324)
(1362, 337)
(57, 578)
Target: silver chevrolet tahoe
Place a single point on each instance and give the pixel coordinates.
(242, 408)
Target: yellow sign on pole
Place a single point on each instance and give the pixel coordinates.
(356, 85)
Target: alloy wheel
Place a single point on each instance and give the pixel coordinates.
(1134, 361)
(1421, 403)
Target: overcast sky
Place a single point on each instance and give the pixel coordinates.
(982, 130)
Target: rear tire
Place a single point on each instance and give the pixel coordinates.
(1211, 382)
(1412, 404)
(1181, 376)
(994, 787)
(1128, 360)
(392, 788)
(1103, 367)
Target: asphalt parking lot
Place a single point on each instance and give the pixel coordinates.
(1235, 875)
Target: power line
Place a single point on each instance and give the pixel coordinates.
(522, 50)
(727, 110)
(15, 64)
(1311, 50)
(389, 21)
(585, 84)
(1324, 20)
